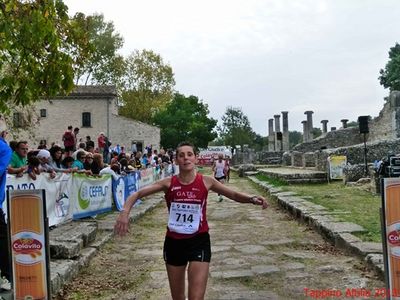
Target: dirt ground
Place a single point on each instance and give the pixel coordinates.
(256, 255)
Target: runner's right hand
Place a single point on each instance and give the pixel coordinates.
(121, 226)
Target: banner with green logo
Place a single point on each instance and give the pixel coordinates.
(93, 195)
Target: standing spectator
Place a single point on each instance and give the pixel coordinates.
(76, 132)
(18, 164)
(42, 145)
(89, 143)
(106, 154)
(69, 141)
(138, 162)
(101, 143)
(5, 156)
(134, 148)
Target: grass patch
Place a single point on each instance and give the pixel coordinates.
(348, 204)
(274, 181)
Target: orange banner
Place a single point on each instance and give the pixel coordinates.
(392, 230)
(28, 232)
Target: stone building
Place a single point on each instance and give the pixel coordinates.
(93, 109)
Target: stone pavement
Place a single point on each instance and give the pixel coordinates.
(319, 218)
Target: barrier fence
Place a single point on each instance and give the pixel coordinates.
(75, 196)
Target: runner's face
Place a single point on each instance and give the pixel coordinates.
(186, 158)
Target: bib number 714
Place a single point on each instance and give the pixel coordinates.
(184, 218)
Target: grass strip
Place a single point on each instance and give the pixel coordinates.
(348, 204)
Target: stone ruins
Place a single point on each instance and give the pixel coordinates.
(382, 140)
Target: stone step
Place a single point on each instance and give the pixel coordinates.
(67, 240)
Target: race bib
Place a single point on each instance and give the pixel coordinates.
(184, 218)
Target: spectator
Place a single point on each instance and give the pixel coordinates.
(106, 153)
(33, 166)
(78, 163)
(55, 160)
(67, 163)
(138, 163)
(134, 148)
(76, 132)
(91, 165)
(82, 147)
(5, 156)
(98, 161)
(44, 166)
(42, 145)
(101, 143)
(69, 141)
(117, 149)
(18, 164)
(13, 145)
(89, 143)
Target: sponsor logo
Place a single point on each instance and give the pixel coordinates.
(394, 238)
(27, 246)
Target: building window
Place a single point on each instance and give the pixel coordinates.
(86, 119)
(43, 113)
(17, 120)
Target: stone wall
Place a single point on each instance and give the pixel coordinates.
(333, 139)
(386, 125)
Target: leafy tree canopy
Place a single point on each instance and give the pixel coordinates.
(35, 51)
(148, 85)
(235, 128)
(98, 59)
(390, 76)
(185, 119)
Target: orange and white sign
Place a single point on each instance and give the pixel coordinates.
(29, 240)
(391, 209)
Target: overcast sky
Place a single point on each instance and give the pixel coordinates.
(266, 56)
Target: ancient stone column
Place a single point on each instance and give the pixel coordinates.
(277, 129)
(285, 131)
(305, 131)
(271, 136)
(309, 124)
(333, 128)
(324, 126)
(344, 122)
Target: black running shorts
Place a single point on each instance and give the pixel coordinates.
(178, 252)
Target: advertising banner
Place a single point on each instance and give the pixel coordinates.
(57, 193)
(391, 231)
(123, 187)
(91, 195)
(29, 244)
(146, 177)
(336, 165)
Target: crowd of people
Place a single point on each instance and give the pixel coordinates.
(82, 157)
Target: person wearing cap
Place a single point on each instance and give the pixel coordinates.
(5, 156)
(18, 164)
(44, 156)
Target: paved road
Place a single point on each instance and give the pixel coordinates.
(256, 255)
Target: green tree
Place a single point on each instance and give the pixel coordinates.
(99, 61)
(185, 119)
(390, 76)
(295, 137)
(35, 51)
(148, 85)
(316, 132)
(235, 128)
